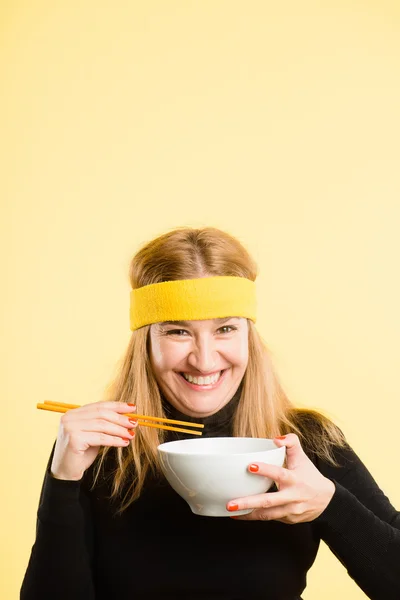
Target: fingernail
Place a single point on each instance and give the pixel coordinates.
(126, 440)
(233, 507)
(131, 432)
(134, 423)
(280, 437)
(254, 468)
(132, 405)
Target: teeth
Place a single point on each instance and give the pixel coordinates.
(202, 380)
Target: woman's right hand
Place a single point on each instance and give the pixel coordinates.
(83, 430)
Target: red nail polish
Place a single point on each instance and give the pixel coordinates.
(132, 421)
(133, 405)
(233, 507)
(254, 468)
(126, 439)
(280, 437)
(131, 431)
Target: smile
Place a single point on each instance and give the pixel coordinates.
(204, 383)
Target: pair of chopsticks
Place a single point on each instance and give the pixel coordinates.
(143, 420)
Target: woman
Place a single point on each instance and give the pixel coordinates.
(110, 526)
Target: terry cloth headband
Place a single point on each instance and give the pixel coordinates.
(193, 299)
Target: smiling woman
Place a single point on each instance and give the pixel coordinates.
(195, 354)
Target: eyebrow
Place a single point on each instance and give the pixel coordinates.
(188, 323)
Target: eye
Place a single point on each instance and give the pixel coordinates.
(176, 332)
(231, 327)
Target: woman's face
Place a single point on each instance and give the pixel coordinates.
(199, 349)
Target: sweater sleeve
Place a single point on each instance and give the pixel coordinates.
(362, 528)
(60, 561)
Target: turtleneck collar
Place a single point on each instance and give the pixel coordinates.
(217, 425)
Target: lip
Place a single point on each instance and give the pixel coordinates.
(204, 374)
(200, 388)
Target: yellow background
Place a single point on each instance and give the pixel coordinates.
(278, 122)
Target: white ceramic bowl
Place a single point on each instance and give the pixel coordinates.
(209, 472)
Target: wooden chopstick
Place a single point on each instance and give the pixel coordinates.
(143, 420)
(148, 418)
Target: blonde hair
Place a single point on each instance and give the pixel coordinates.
(263, 410)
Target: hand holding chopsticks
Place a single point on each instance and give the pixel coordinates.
(142, 419)
(83, 429)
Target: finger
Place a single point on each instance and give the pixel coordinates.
(259, 501)
(281, 476)
(279, 513)
(107, 427)
(95, 438)
(109, 415)
(97, 414)
(294, 451)
(117, 407)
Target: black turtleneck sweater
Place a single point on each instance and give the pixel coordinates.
(159, 549)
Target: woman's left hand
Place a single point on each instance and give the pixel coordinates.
(303, 494)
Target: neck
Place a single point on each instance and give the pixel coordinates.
(218, 424)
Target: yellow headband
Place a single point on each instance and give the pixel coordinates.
(192, 300)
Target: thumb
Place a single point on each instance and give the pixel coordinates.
(295, 454)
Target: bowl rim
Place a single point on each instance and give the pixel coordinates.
(218, 454)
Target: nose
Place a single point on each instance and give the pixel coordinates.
(203, 356)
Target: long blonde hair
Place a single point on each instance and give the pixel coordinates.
(263, 410)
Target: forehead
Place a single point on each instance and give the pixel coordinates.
(199, 322)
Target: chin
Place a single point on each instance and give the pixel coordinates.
(204, 408)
